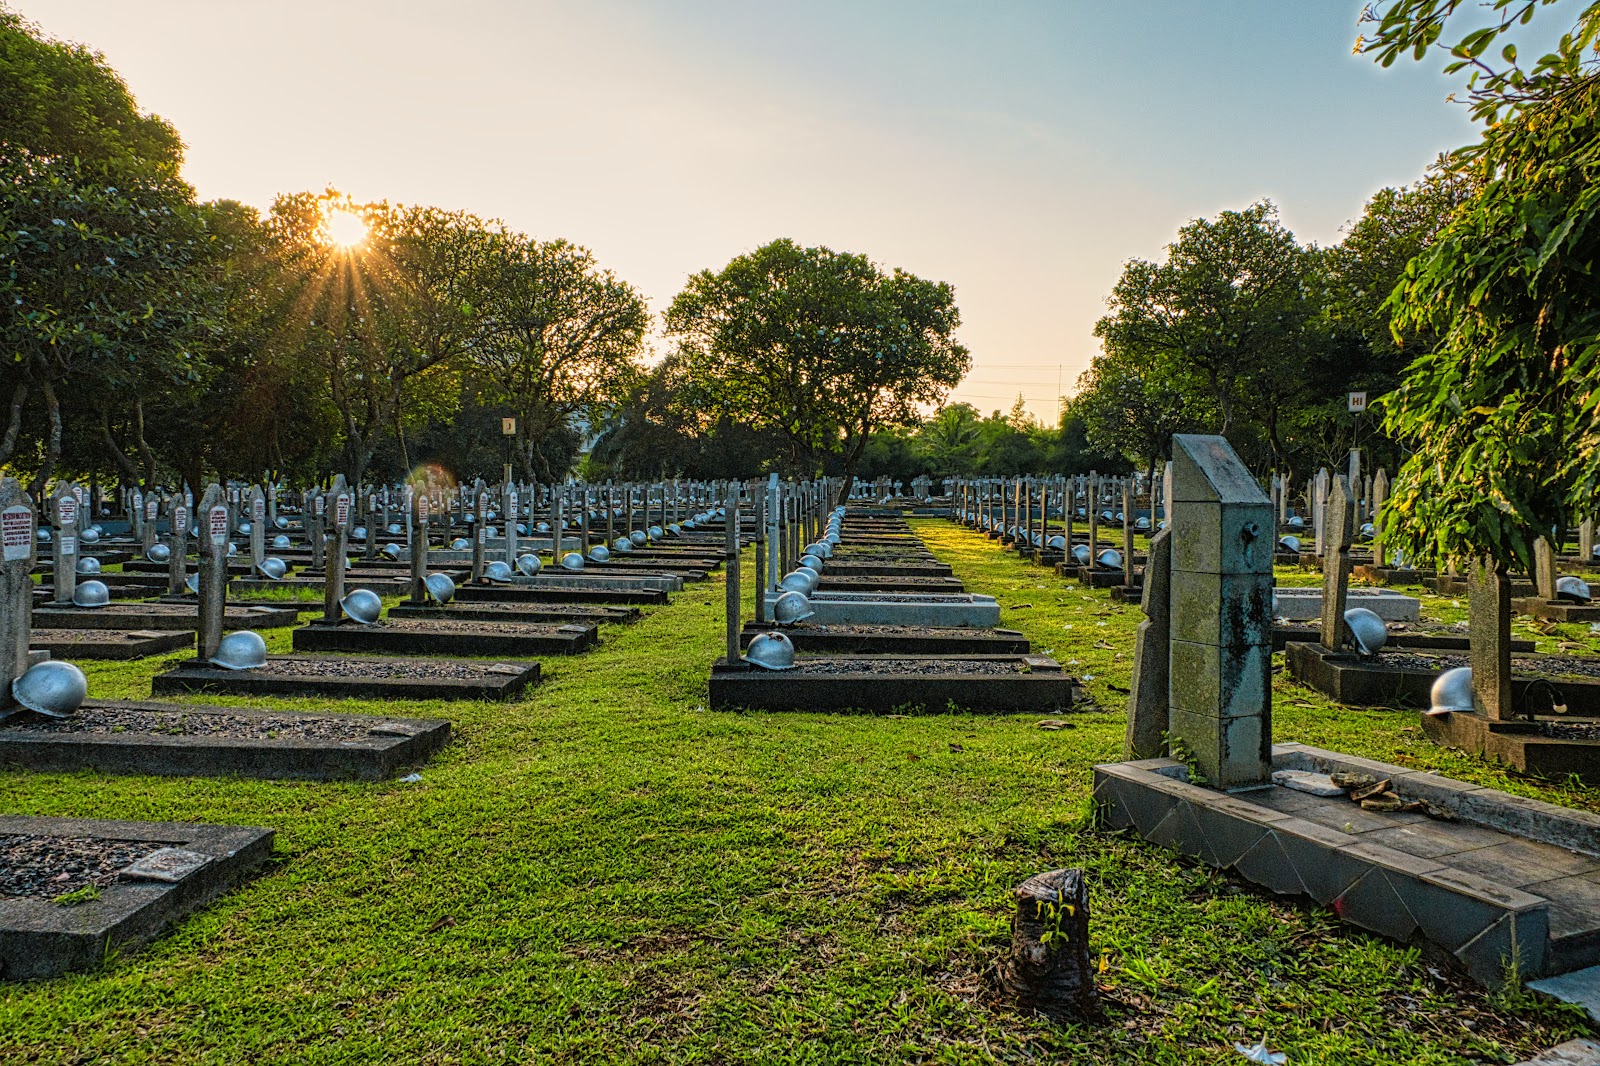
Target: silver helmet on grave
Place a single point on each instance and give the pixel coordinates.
(53, 688)
(799, 581)
(1296, 522)
(655, 532)
(1058, 542)
(622, 545)
(88, 564)
(1109, 559)
(1368, 630)
(639, 538)
(362, 605)
(770, 651)
(241, 650)
(91, 594)
(158, 553)
(1573, 589)
(791, 607)
(391, 551)
(460, 544)
(1142, 524)
(599, 554)
(811, 562)
(281, 522)
(528, 565)
(1289, 543)
(1452, 692)
(244, 529)
(499, 571)
(572, 561)
(1080, 554)
(90, 535)
(192, 583)
(281, 541)
(441, 588)
(272, 568)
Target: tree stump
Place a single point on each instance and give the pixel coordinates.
(1048, 969)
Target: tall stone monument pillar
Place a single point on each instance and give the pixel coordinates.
(1220, 692)
(258, 525)
(178, 562)
(213, 578)
(340, 505)
(17, 536)
(64, 504)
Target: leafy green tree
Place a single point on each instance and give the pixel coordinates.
(821, 346)
(1502, 410)
(1130, 407)
(563, 338)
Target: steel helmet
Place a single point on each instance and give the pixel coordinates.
(90, 535)
(281, 541)
(158, 553)
(821, 548)
(1399, 561)
(1109, 558)
(88, 564)
(690, 524)
(52, 688)
(622, 545)
(832, 538)
(599, 554)
(281, 522)
(1368, 530)
(770, 651)
(241, 650)
(272, 567)
(798, 581)
(498, 570)
(638, 537)
(244, 529)
(529, 564)
(460, 544)
(572, 561)
(674, 529)
(192, 583)
(359, 533)
(362, 605)
(491, 515)
(395, 529)
(1368, 630)
(1080, 554)
(391, 551)
(1289, 543)
(811, 562)
(543, 527)
(1106, 516)
(233, 549)
(654, 533)
(791, 607)
(1141, 523)
(1572, 588)
(1452, 691)
(470, 518)
(91, 594)
(1058, 542)
(490, 532)
(1296, 522)
(441, 588)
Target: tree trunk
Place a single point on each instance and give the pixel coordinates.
(145, 453)
(1048, 968)
(118, 456)
(52, 448)
(8, 446)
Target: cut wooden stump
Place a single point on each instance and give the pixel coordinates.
(1048, 969)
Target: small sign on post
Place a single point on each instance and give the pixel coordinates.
(508, 427)
(1358, 402)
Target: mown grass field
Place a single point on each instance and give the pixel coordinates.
(609, 872)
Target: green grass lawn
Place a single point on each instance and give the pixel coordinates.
(607, 871)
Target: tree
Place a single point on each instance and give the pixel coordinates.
(563, 338)
(1130, 407)
(822, 346)
(1502, 410)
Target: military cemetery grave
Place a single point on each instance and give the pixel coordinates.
(449, 647)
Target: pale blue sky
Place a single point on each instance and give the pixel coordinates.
(1021, 151)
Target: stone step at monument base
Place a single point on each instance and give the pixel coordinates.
(1512, 885)
(113, 644)
(1526, 746)
(469, 594)
(174, 869)
(1004, 684)
(189, 739)
(1285, 634)
(1557, 610)
(518, 613)
(421, 636)
(1305, 604)
(859, 608)
(892, 640)
(1537, 686)
(348, 677)
(164, 616)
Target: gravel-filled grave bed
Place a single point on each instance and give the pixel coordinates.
(203, 722)
(47, 867)
(878, 667)
(362, 677)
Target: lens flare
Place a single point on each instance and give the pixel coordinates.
(345, 229)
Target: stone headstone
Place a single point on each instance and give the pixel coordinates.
(314, 516)
(214, 527)
(152, 511)
(1339, 527)
(1586, 540)
(17, 539)
(1489, 634)
(1544, 568)
(178, 563)
(480, 528)
(340, 512)
(65, 513)
(258, 525)
(419, 547)
(1148, 694)
(1220, 693)
(513, 506)
(1380, 496)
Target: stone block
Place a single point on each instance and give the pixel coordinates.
(1219, 682)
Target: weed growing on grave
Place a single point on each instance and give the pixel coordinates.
(630, 878)
(77, 896)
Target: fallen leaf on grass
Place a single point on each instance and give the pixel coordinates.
(914, 758)
(1103, 645)
(447, 922)
(1118, 688)
(957, 747)
(1020, 606)
(1055, 723)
